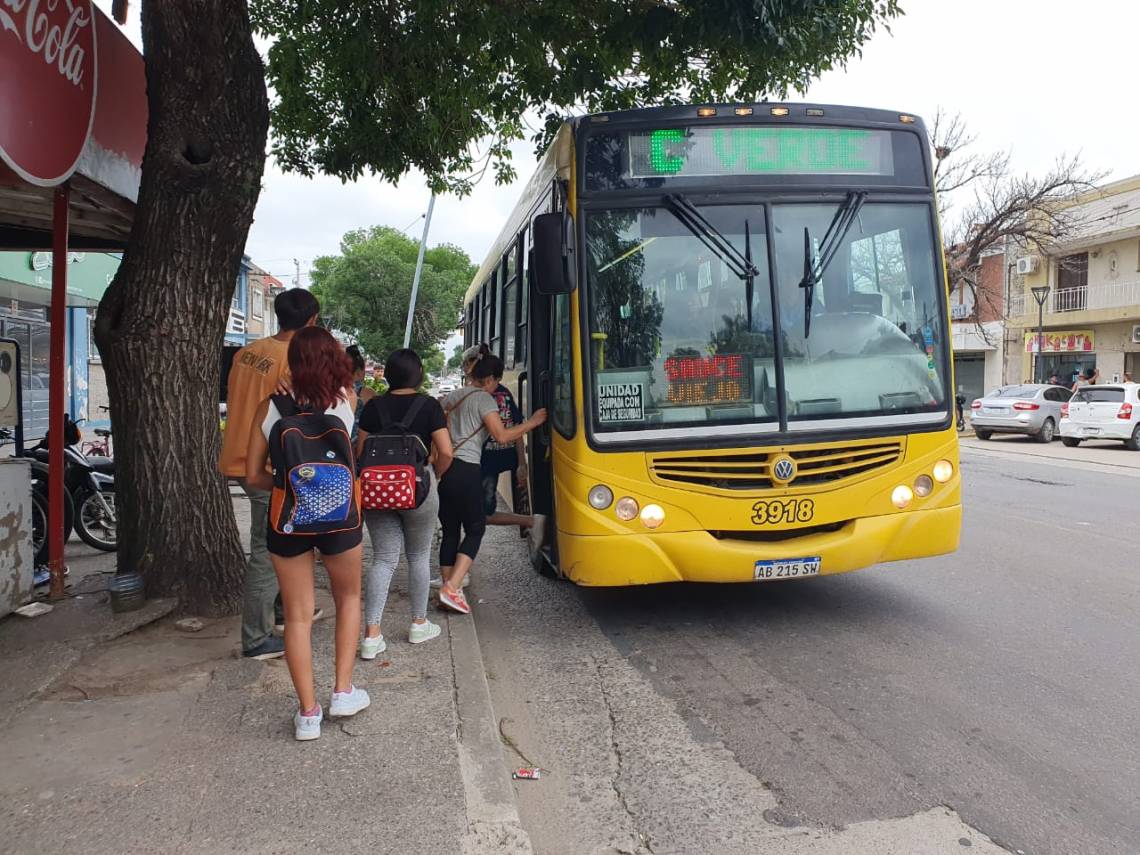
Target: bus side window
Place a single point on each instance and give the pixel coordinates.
(562, 407)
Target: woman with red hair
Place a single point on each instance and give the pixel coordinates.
(321, 376)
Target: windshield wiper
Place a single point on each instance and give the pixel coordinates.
(739, 263)
(815, 266)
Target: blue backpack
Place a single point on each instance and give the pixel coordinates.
(314, 482)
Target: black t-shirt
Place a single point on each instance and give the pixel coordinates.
(429, 419)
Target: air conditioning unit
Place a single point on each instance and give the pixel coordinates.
(1027, 265)
(1136, 334)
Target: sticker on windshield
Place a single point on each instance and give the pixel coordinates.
(621, 402)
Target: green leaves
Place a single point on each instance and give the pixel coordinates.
(365, 290)
(443, 86)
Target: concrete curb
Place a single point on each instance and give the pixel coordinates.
(493, 824)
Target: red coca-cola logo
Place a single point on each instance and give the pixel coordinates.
(47, 86)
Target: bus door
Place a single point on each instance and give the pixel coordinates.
(535, 391)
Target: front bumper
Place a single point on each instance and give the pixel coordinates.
(697, 556)
(1097, 430)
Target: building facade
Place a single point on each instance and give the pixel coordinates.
(1091, 315)
(263, 290)
(25, 300)
(977, 314)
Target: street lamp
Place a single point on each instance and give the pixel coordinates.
(1040, 294)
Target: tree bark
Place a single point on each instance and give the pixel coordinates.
(161, 323)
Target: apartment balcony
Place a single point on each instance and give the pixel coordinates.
(1106, 295)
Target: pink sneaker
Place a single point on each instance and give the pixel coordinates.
(454, 600)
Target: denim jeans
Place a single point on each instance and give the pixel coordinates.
(260, 580)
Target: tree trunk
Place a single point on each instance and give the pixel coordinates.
(162, 321)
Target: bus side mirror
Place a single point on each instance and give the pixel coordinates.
(553, 251)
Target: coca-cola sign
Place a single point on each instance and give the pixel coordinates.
(47, 86)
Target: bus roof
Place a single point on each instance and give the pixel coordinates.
(556, 163)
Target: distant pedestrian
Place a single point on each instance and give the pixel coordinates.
(501, 457)
(1127, 376)
(364, 393)
(321, 380)
(1089, 378)
(472, 416)
(258, 370)
(410, 530)
(1055, 379)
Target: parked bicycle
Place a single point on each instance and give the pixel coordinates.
(101, 446)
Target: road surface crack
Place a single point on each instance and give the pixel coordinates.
(619, 760)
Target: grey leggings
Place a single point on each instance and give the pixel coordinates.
(390, 531)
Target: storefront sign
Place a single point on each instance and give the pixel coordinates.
(47, 86)
(1062, 341)
(42, 260)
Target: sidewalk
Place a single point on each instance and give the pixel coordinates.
(1109, 457)
(119, 739)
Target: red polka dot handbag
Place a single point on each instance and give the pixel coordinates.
(393, 464)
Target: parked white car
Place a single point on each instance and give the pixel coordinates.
(1103, 412)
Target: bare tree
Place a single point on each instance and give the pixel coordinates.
(1032, 212)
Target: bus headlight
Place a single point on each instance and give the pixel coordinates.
(943, 471)
(923, 486)
(652, 516)
(901, 496)
(600, 497)
(626, 508)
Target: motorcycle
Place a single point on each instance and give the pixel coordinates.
(89, 484)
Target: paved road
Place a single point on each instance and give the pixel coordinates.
(1001, 682)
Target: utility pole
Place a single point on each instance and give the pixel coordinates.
(296, 273)
(419, 270)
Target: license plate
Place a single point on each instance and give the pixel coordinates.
(995, 411)
(1092, 431)
(787, 568)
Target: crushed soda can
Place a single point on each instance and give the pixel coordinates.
(527, 773)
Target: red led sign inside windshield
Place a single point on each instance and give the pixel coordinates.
(707, 379)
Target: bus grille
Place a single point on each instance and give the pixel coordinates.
(750, 470)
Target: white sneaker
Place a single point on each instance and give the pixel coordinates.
(306, 727)
(438, 582)
(348, 703)
(370, 647)
(421, 632)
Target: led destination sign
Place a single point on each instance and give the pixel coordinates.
(707, 151)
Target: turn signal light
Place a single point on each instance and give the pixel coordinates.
(901, 496)
(977, 405)
(923, 486)
(1025, 405)
(1125, 412)
(943, 471)
(626, 508)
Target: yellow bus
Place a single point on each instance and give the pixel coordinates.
(737, 318)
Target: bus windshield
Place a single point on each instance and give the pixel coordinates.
(680, 336)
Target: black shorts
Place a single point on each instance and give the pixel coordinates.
(292, 545)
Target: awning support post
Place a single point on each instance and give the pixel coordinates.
(57, 367)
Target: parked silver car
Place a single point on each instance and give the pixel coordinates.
(1033, 409)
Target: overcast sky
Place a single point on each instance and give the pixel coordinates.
(1035, 77)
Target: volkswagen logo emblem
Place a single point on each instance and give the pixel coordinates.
(783, 469)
